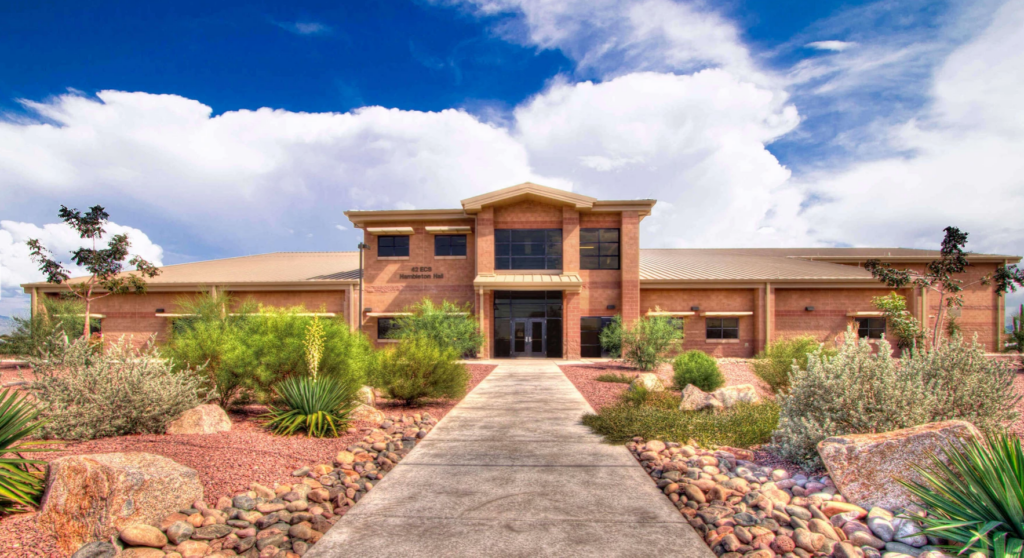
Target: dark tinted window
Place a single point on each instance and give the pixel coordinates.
(590, 336)
(527, 304)
(386, 328)
(599, 248)
(871, 328)
(392, 246)
(528, 249)
(723, 328)
(450, 245)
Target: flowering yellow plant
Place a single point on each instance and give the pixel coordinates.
(314, 344)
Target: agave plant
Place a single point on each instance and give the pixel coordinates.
(320, 406)
(976, 500)
(20, 487)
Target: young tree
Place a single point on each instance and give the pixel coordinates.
(940, 276)
(104, 265)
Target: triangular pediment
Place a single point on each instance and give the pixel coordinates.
(528, 191)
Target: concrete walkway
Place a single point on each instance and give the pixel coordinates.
(511, 471)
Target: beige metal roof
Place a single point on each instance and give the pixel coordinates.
(276, 268)
(526, 281)
(713, 265)
(843, 254)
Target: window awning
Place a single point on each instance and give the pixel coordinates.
(449, 230)
(400, 314)
(873, 314)
(726, 314)
(671, 314)
(320, 314)
(389, 230)
(529, 282)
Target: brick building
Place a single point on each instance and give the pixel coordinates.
(543, 270)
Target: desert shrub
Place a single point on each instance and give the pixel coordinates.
(638, 395)
(21, 480)
(611, 337)
(85, 394)
(647, 340)
(697, 368)
(320, 406)
(974, 498)
(774, 364)
(905, 328)
(447, 325)
(418, 368)
(615, 378)
(57, 319)
(743, 425)
(862, 391)
(254, 348)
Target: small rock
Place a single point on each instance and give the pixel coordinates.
(193, 549)
(179, 532)
(211, 532)
(807, 540)
(143, 535)
(243, 502)
(302, 530)
(783, 544)
(908, 532)
(301, 472)
(880, 523)
(901, 548)
(649, 381)
(846, 550)
(860, 538)
(142, 552)
(204, 419)
(96, 549)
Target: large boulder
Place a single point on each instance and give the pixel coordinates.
(865, 467)
(366, 413)
(696, 399)
(731, 395)
(365, 396)
(649, 381)
(93, 497)
(204, 419)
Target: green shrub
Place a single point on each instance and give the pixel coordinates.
(320, 406)
(904, 328)
(774, 364)
(638, 395)
(611, 337)
(615, 378)
(743, 425)
(21, 487)
(86, 394)
(254, 348)
(860, 391)
(447, 325)
(418, 368)
(647, 340)
(697, 368)
(975, 500)
(57, 319)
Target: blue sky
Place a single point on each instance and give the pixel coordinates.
(214, 129)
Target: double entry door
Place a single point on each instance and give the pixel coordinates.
(528, 337)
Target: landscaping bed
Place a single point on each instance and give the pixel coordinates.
(227, 462)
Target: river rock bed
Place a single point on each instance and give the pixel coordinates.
(282, 521)
(744, 510)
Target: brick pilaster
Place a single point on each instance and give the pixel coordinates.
(571, 325)
(485, 241)
(629, 248)
(570, 240)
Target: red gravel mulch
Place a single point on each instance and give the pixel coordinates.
(227, 462)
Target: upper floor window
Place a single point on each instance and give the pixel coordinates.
(599, 248)
(387, 328)
(392, 246)
(723, 328)
(528, 249)
(450, 245)
(870, 328)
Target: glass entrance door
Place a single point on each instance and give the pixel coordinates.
(528, 337)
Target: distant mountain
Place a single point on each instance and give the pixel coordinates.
(6, 325)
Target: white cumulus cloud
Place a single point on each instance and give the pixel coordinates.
(835, 46)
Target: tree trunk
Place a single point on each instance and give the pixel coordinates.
(87, 308)
(936, 334)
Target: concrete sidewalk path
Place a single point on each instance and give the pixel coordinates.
(511, 471)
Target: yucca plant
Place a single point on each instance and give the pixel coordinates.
(320, 406)
(976, 500)
(20, 487)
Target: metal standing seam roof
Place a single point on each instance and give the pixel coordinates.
(711, 265)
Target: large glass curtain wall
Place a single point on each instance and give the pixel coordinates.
(511, 305)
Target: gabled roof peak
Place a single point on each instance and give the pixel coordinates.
(528, 191)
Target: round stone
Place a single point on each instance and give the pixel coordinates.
(143, 535)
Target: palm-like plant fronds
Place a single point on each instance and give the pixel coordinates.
(320, 406)
(976, 500)
(20, 487)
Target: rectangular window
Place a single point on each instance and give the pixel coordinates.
(528, 249)
(387, 328)
(590, 336)
(599, 248)
(870, 328)
(450, 245)
(723, 328)
(392, 246)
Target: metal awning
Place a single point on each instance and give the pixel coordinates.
(529, 282)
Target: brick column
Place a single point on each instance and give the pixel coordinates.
(570, 240)
(769, 316)
(487, 329)
(629, 260)
(485, 242)
(571, 325)
(760, 319)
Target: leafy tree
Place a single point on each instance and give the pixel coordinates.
(905, 328)
(447, 325)
(940, 276)
(105, 265)
(647, 340)
(60, 319)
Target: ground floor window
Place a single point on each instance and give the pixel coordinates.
(528, 323)
(870, 328)
(722, 328)
(387, 328)
(590, 336)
